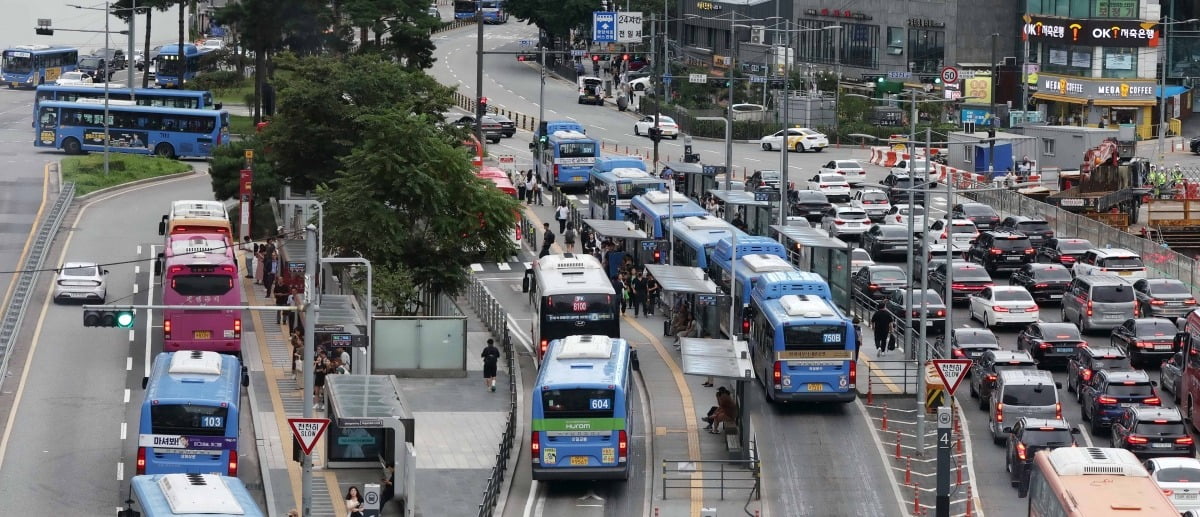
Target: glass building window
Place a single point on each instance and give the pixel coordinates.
(1120, 63)
(895, 40)
(1067, 8)
(926, 50)
(858, 45)
(1067, 59)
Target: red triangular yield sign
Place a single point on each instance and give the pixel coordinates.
(307, 431)
(952, 372)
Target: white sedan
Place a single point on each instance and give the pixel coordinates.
(901, 213)
(860, 258)
(834, 186)
(73, 78)
(799, 139)
(83, 281)
(1003, 305)
(853, 171)
(666, 124)
(844, 220)
(1179, 479)
(961, 231)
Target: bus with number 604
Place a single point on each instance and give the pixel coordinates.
(571, 295)
(189, 415)
(581, 410)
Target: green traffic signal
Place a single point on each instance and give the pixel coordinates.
(125, 319)
(119, 318)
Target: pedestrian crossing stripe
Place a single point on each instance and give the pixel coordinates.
(478, 268)
(503, 266)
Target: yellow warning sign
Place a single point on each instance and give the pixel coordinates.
(935, 397)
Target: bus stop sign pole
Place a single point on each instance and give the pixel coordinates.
(310, 324)
(943, 462)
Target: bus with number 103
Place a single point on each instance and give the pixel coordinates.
(581, 410)
(571, 295)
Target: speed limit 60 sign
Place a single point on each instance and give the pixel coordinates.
(949, 75)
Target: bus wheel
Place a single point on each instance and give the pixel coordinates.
(164, 150)
(71, 146)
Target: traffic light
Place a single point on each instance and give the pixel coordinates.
(624, 57)
(595, 59)
(657, 256)
(119, 318)
(483, 105)
(654, 133)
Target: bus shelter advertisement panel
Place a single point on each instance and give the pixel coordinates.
(182, 444)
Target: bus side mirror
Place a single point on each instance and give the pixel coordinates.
(162, 226)
(634, 363)
(218, 105)
(128, 512)
(245, 377)
(158, 265)
(145, 381)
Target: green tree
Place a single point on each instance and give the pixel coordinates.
(227, 163)
(555, 17)
(416, 207)
(147, 7)
(261, 24)
(321, 103)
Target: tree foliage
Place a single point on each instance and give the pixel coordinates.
(556, 17)
(226, 166)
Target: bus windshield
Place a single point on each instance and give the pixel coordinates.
(18, 62)
(188, 420)
(464, 6)
(577, 403)
(577, 150)
(168, 64)
(808, 337)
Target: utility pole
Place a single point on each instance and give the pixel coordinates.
(108, 79)
(479, 113)
(922, 347)
(129, 65)
(783, 149)
(917, 351)
(837, 87)
(994, 126)
(729, 105)
(311, 268)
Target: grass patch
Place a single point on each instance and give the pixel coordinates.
(235, 95)
(241, 125)
(88, 171)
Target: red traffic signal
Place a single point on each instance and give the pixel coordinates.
(520, 58)
(625, 57)
(595, 59)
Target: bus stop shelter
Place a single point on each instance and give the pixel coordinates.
(692, 286)
(757, 212)
(813, 250)
(694, 179)
(630, 239)
(724, 360)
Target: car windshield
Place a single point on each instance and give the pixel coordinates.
(1161, 429)
(1061, 333)
(1178, 475)
(970, 273)
(665, 120)
(1013, 296)
(978, 210)
(1079, 246)
(874, 196)
(1046, 437)
(1155, 329)
(848, 165)
(888, 274)
(1130, 390)
(1115, 363)
(1052, 273)
(963, 228)
(89, 62)
(1169, 287)
(1121, 262)
(1015, 243)
(827, 178)
(80, 271)
(931, 298)
(860, 254)
(1112, 294)
(1033, 226)
(1029, 395)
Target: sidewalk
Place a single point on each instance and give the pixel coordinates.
(458, 427)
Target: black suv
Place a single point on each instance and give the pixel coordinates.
(1063, 251)
(1048, 342)
(94, 66)
(811, 204)
(1110, 391)
(1090, 359)
(998, 250)
(1027, 436)
(891, 239)
(1150, 432)
(1147, 341)
(966, 279)
(1045, 282)
(935, 309)
(984, 216)
(967, 343)
(877, 281)
(986, 370)
(1038, 230)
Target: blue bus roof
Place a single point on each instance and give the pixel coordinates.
(680, 206)
(561, 125)
(193, 495)
(173, 50)
(578, 361)
(608, 162)
(158, 92)
(40, 49)
(224, 387)
(747, 245)
(772, 286)
(704, 230)
(564, 135)
(801, 309)
(134, 109)
(621, 176)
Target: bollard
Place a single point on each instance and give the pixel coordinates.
(958, 472)
(958, 445)
(917, 499)
(655, 511)
(897, 445)
(970, 502)
(908, 470)
(870, 394)
(884, 424)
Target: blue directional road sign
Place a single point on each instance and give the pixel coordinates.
(666, 79)
(604, 27)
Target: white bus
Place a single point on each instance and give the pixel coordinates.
(572, 296)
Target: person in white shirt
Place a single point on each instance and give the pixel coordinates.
(561, 212)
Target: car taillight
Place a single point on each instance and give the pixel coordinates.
(535, 447)
(1040, 286)
(1089, 308)
(1081, 344)
(873, 287)
(622, 445)
(839, 222)
(1142, 344)
(958, 286)
(1168, 492)
(237, 327)
(556, 171)
(1029, 251)
(941, 313)
(991, 376)
(916, 314)
(897, 218)
(233, 463)
(959, 353)
(777, 375)
(1021, 451)
(1136, 440)
(1000, 309)
(823, 185)
(1190, 301)
(1152, 401)
(141, 461)
(999, 412)
(1137, 310)
(944, 235)
(1058, 410)
(1043, 345)
(1086, 374)
(995, 251)
(542, 348)
(1186, 440)
(1156, 301)
(1050, 234)
(1106, 400)
(1031, 309)
(167, 329)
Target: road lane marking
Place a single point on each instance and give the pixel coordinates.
(149, 317)
(124, 429)
(120, 471)
(862, 411)
(12, 284)
(129, 363)
(126, 396)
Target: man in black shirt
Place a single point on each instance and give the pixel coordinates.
(547, 240)
(882, 321)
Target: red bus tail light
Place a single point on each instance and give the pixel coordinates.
(237, 327)
(166, 328)
(141, 461)
(535, 447)
(542, 348)
(622, 445)
(233, 463)
(853, 375)
(777, 375)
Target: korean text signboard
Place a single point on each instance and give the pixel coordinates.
(1092, 33)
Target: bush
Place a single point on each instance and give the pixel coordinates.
(217, 80)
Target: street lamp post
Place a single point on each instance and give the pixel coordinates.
(1162, 92)
(837, 85)
(108, 62)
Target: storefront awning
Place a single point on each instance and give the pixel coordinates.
(1125, 102)
(1171, 91)
(1059, 98)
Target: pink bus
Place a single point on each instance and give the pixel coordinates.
(201, 269)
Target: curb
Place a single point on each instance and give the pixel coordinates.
(134, 183)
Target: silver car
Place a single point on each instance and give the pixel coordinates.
(83, 281)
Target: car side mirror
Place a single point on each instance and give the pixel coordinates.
(1076, 430)
(1058, 385)
(105, 271)
(1154, 383)
(1007, 429)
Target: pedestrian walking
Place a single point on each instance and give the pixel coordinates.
(258, 263)
(354, 502)
(388, 485)
(248, 256)
(638, 296)
(883, 322)
(520, 185)
(537, 191)
(490, 356)
(529, 183)
(569, 238)
(269, 272)
(547, 240)
(294, 300)
(320, 369)
(857, 336)
(282, 296)
(560, 214)
(622, 291)
(653, 289)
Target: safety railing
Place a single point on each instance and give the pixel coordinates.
(723, 475)
(897, 377)
(495, 318)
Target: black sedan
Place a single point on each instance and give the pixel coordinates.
(1062, 251)
(876, 282)
(968, 343)
(984, 216)
(965, 279)
(1145, 340)
(1164, 297)
(1046, 282)
(811, 205)
(1048, 341)
(887, 239)
(508, 128)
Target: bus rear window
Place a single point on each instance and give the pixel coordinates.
(188, 419)
(579, 307)
(1161, 429)
(202, 285)
(808, 337)
(577, 150)
(578, 403)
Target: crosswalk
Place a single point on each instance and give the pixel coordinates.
(512, 265)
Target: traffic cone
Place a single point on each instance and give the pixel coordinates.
(970, 503)
(957, 472)
(908, 470)
(870, 394)
(917, 499)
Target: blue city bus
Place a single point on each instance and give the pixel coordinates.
(802, 346)
(719, 262)
(189, 415)
(190, 495)
(169, 72)
(493, 10)
(654, 210)
(567, 159)
(187, 99)
(697, 236)
(465, 9)
(581, 410)
(622, 182)
(78, 127)
(27, 66)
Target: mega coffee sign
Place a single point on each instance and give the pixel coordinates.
(1094, 33)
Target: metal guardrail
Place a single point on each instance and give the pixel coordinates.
(728, 474)
(27, 277)
(495, 318)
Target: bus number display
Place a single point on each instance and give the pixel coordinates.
(579, 306)
(212, 422)
(600, 404)
(832, 337)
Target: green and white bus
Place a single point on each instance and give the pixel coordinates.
(581, 410)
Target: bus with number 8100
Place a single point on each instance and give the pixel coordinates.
(581, 410)
(571, 295)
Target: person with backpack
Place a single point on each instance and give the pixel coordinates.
(569, 238)
(561, 212)
(490, 356)
(547, 240)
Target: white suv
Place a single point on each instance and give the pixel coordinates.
(960, 231)
(1118, 262)
(872, 201)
